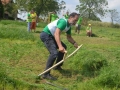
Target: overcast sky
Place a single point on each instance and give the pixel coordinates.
(112, 4)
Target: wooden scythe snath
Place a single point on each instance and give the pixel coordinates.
(61, 60)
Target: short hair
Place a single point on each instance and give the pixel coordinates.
(32, 9)
(73, 14)
(54, 12)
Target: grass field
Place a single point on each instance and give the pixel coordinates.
(96, 66)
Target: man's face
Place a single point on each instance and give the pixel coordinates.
(54, 12)
(32, 11)
(4, 2)
(73, 20)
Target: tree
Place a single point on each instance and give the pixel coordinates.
(20, 5)
(2, 4)
(1, 10)
(92, 8)
(114, 15)
(44, 6)
(9, 12)
(11, 9)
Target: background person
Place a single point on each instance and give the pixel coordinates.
(78, 25)
(89, 30)
(66, 15)
(34, 19)
(53, 16)
(29, 20)
(50, 36)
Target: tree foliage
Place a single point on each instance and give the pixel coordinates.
(45, 6)
(10, 10)
(114, 15)
(42, 7)
(92, 8)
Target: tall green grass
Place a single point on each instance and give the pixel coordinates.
(23, 56)
(104, 24)
(109, 76)
(10, 32)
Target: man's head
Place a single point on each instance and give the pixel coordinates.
(54, 12)
(67, 13)
(32, 11)
(73, 18)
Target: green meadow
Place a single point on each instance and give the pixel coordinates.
(95, 66)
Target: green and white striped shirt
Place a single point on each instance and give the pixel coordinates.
(62, 24)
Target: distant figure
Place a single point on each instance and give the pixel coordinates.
(78, 24)
(89, 30)
(66, 15)
(34, 19)
(29, 20)
(53, 16)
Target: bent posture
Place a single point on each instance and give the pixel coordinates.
(50, 36)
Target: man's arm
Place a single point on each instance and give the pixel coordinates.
(58, 41)
(71, 40)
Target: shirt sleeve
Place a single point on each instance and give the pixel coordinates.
(61, 24)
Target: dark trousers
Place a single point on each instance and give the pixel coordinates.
(52, 47)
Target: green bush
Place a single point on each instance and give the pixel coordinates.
(116, 25)
(100, 24)
(103, 24)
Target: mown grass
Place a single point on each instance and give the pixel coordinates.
(23, 56)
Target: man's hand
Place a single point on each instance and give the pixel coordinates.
(70, 39)
(75, 45)
(62, 49)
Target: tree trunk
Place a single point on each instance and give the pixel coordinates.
(1, 10)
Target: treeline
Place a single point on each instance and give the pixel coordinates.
(42, 7)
